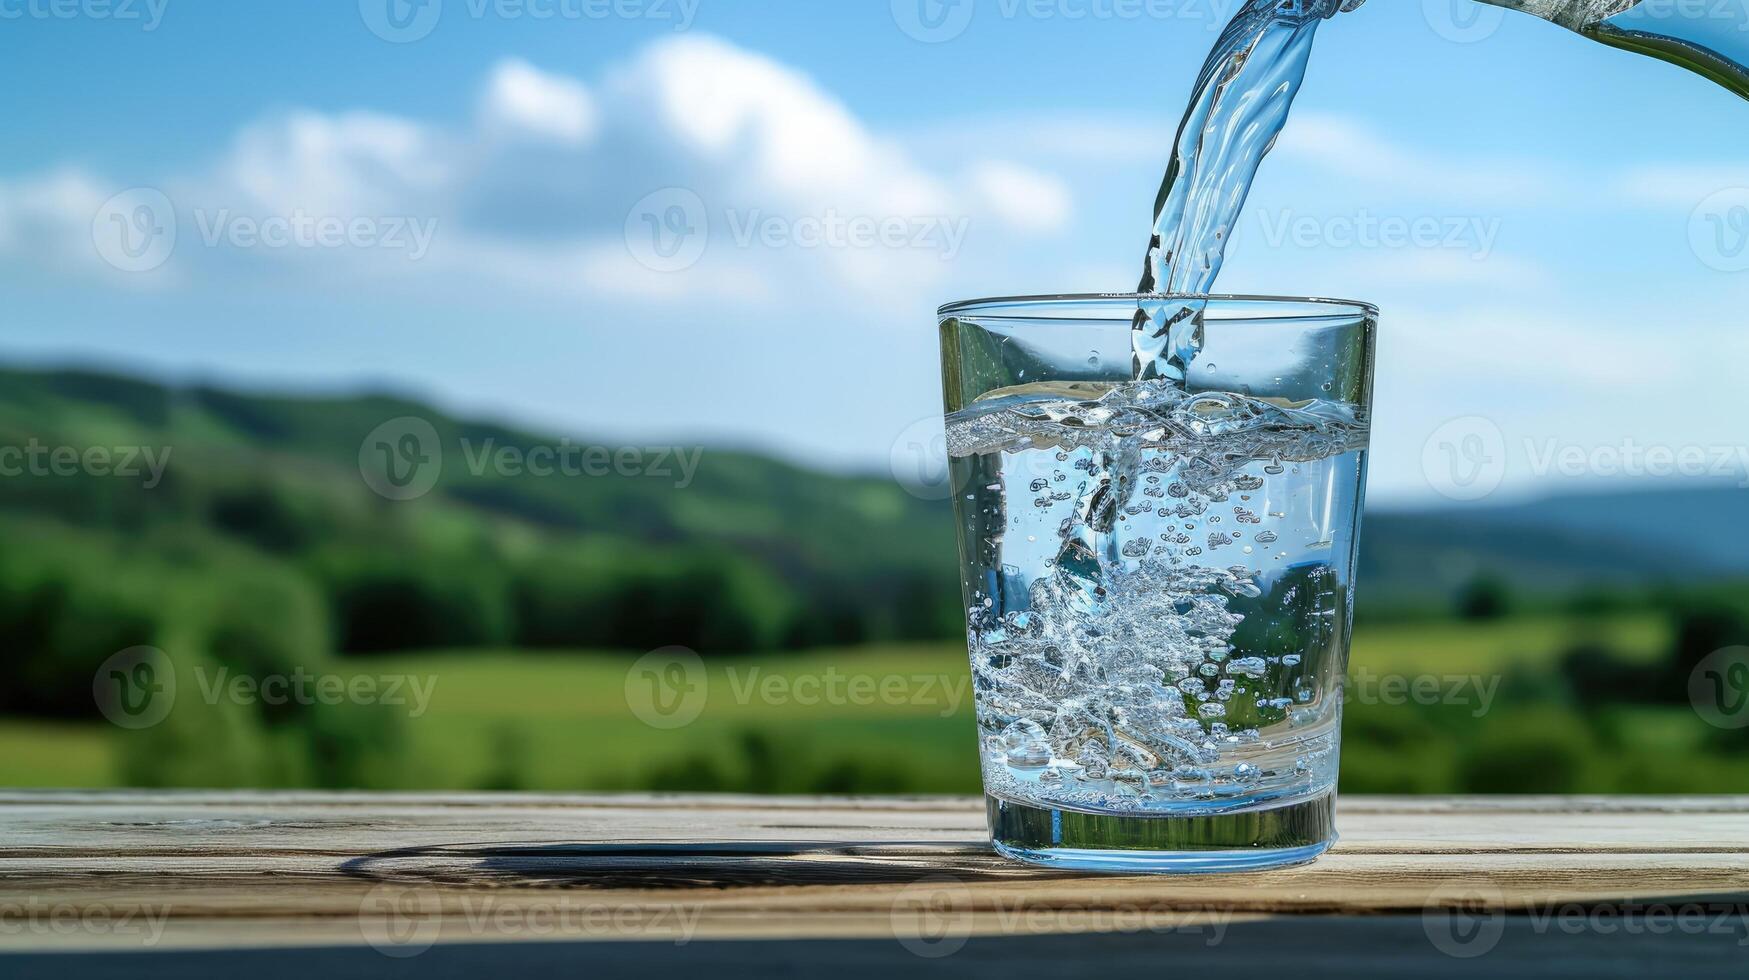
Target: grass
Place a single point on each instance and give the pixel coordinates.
(554, 721)
(1452, 647)
(898, 717)
(45, 753)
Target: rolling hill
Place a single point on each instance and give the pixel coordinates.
(740, 553)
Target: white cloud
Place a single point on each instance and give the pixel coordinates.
(1024, 198)
(536, 190)
(1430, 267)
(52, 211)
(522, 98)
(1081, 138)
(1352, 148)
(50, 220)
(1563, 356)
(356, 163)
(1682, 186)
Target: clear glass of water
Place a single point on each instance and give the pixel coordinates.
(1158, 574)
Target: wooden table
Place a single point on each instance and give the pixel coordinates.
(264, 885)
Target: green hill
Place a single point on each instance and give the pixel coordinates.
(536, 541)
(741, 553)
(241, 532)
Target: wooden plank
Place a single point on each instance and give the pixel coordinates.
(227, 870)
(339, 825)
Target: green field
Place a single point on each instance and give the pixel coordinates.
(562, 721)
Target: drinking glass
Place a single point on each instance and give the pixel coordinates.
(1157, 575)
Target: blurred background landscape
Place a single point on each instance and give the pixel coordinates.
(311, 475)
(1540, 647)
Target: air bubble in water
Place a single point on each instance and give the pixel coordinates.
(1025, 744)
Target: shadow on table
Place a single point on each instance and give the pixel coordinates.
(691, 865)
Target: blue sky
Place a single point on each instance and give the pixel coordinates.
(1554, 230)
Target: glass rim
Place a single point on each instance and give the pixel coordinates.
(993, 304)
